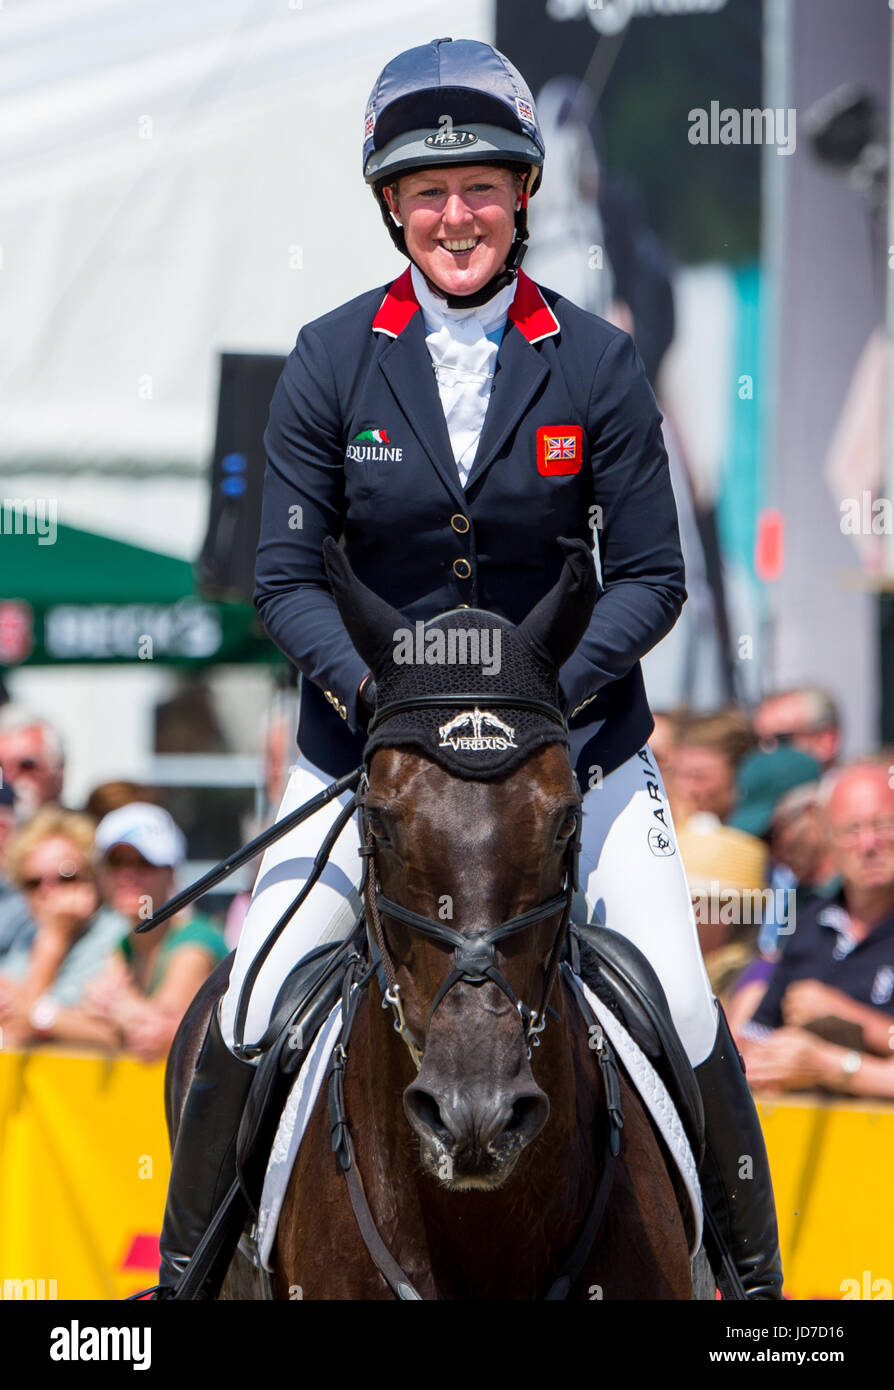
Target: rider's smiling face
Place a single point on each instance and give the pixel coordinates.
(458, 223)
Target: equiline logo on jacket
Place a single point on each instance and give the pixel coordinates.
(374, 446)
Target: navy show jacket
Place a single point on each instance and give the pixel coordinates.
(421, 541)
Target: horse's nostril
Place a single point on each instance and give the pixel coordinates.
(527, 1113)
(424, 1112)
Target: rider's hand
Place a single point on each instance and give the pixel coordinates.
(367, 704)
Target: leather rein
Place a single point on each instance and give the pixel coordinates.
(474, 963)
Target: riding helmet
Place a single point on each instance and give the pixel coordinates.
(452, 102)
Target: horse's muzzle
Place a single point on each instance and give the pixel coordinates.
(471, 1135)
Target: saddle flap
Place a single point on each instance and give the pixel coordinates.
(303, 1003)
(621, 977)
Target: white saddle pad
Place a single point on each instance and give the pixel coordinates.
(299, 1107)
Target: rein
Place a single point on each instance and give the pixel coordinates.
(394, 1275)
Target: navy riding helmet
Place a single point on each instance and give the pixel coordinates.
(453, 102)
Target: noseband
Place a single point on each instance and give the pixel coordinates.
(474, 959)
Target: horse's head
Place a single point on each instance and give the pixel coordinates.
(471, 813)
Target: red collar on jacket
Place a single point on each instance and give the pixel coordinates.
(529, 311)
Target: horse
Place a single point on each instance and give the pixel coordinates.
(483, 1148)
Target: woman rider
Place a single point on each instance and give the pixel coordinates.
(449, 430)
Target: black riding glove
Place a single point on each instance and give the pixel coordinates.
(367, 704)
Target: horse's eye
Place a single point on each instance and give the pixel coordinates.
(568, 826)
(375, 822)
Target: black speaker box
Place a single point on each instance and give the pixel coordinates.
(226, 566)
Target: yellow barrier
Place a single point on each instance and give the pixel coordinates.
(84, 1168)
(831, 1165)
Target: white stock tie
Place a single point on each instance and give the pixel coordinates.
(463, 358)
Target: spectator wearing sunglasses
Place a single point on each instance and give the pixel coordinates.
(152, 977)
(42, 982)
(31, 760)
(806, 718)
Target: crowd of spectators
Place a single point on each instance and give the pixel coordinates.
(73, 885)
(790, 859)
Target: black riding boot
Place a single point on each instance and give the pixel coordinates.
(742, 1206)
(203, 1165)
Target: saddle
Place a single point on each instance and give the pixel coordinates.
(302, 1005)
(621, 977)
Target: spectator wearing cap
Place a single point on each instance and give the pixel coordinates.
(152, 977)
(726, 870)
(805, 717)
(707, 751)
(837, 968)
(43, 981)
(762, 779)
(16, 923)
(31, 759)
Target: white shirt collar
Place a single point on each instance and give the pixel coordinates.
(436, 313)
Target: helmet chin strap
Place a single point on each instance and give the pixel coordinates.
(503, 277)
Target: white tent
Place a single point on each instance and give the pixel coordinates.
(177, 180)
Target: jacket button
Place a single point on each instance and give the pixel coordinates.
(462, 569)
(460, 523)
(462, 605)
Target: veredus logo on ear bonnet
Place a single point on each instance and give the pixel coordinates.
(479, 732)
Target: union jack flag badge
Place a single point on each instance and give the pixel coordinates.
(525, 112)
(560, 449)
(369, 124)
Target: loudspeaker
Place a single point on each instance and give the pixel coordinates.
(886, 668)
(226, 566)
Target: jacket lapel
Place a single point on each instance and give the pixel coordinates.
(407, 367)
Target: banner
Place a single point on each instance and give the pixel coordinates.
(84, 1167)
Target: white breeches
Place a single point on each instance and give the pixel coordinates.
(630, 872)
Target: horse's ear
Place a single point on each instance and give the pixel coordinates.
(559, 620)
(371, 622)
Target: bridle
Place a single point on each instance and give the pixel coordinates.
(474, 959)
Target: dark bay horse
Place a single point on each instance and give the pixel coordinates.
(479, 1154)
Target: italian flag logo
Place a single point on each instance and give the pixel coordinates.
(371, 437)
